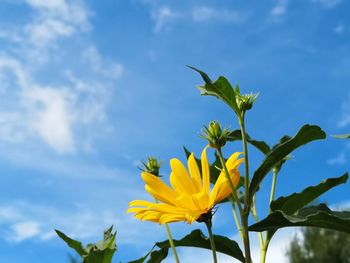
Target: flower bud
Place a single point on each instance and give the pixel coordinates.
(215, 135)
(152, 166)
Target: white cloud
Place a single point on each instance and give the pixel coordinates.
(50, 117)
(327, 3)
(205, 13)
(280, 8)
(64, 110)
(24, 230)
(21, 221)
(99, 65)
(163, 17)
(43, 33)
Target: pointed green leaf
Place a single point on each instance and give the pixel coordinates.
(305, 135)
(101, 252)
(313, 216)
(292, 203)
(342, 136)
(221, 89)
(158, 255)
(260, 145)
(197, 239)
(76, 245)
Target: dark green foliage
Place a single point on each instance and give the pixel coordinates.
(195, 239)
(306, 134)
(320, 246)
(100, 252)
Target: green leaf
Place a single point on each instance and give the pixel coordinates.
(221, 89)
(313, 216)
(260, 145)
(142, 259)
(158, 255)
(76, 245)
(342, 136)
(197, 239)
(305, 135)
(101, 252)
(292, 203)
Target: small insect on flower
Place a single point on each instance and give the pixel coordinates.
(189, 197)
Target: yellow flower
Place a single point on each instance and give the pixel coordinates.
(190, 195)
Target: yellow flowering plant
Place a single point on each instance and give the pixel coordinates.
(197, 190)
(190, 199)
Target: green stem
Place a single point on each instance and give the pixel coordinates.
(263, 250)
(246, 163)
(211, 237)
(244, 215)
(256, 219)
(235, 216)
(246, 189)
(171, 241)
(233, 189)
(273, 186)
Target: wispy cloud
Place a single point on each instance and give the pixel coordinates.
(328, 3)
(56, 111)
(163, 17)
(206, 13)
(280, 8)
(100, 65)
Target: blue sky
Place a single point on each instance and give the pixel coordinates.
(90, 88)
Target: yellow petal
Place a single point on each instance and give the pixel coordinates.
(179, 178)
(222, 189)
(232, 163)
(205, 171)
(186, 201)
(170, 218)
(164, 208)
(152, 216)
(202, 201)
(168, 199)
(156, 186)
(194, 172)
(140, 203)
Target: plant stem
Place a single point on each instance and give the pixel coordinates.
(235, 216)
(263, 250)
(246, 162)
(244, 216)
(273, 186)
(171, 241)
(211, 237)
(233, 189)
(246, 192)
(256, 218)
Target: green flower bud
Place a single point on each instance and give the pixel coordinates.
(152, 166)
(215, 136)
(245, 101)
